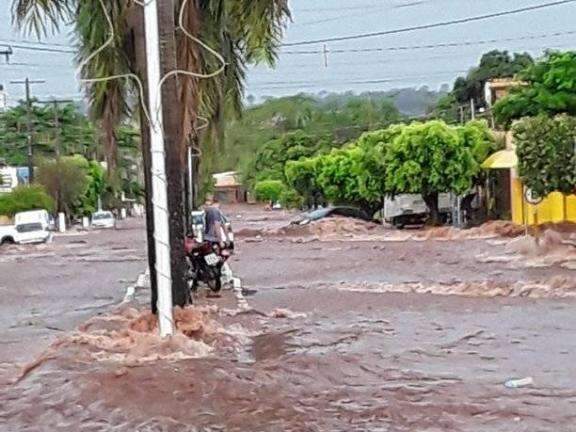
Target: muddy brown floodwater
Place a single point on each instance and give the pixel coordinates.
(341, 335)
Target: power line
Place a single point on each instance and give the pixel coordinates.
(38, 48)
(429, 26)
(24, 41)
(433, 46)
(279, 85)
(343, 8)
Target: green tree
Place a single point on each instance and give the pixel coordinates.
(75, 133)
(269, 190)
(270, 160)
(24, 198)
(429, 159)
(95, 187)
(548, 88)
(301, 177)
(66, 180)
(344, 178)
(547, 154)
(493, 64)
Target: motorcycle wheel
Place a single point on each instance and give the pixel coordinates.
(214, 280)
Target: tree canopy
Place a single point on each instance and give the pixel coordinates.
(24, 198)
(547, 153)
(493, 64)
(548, 88)
(429, 159)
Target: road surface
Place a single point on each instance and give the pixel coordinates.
(325, 347)
(50, 289)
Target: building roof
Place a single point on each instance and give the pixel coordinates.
(226, 179)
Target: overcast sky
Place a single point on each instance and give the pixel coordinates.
(319, 19)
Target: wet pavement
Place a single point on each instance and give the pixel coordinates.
(50, 289)
(334, 357)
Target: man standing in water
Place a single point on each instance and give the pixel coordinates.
(216, 231)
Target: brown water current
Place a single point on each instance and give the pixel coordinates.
(343, 334)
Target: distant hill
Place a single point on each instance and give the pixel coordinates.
(409, 101)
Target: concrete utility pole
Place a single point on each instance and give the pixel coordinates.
(137, 40)
(167, 176)
(29, 127)
(472, 110)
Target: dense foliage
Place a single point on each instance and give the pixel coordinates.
(74, 183)
(493, 64)
(75, 133)
(548, 88)
(336, 119)
(425, 158)
(429, 159)
(269, 190)
(24, 198)
(547, 153)
(301, 177)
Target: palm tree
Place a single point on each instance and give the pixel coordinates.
(243, 31)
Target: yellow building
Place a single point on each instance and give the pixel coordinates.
(554, 208)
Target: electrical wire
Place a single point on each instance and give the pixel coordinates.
(199, 42)
(355, 81)
(41, 43)
(132, 76)
(433, 46)
(42, 49)
(430, 26)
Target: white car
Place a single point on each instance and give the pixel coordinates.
(103, 219)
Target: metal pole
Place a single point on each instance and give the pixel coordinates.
(56, 130)
(159, 185)
(190, 181)
(29, 130)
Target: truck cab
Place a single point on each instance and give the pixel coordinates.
(29, 227)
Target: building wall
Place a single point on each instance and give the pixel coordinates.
(555, 208)
(9, 179)
(230, 195)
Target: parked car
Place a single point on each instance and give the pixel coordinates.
(103, 219)
(353, 212)
(28, 227)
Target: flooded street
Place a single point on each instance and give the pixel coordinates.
(367, 332)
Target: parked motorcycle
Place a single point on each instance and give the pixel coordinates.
(205, 261)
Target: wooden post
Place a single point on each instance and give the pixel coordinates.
(175, 158)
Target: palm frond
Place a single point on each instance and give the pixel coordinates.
(38, 17)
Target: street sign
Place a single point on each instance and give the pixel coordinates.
(532, 197)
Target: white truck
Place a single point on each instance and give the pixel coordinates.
(410, 209)
(29, 227)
